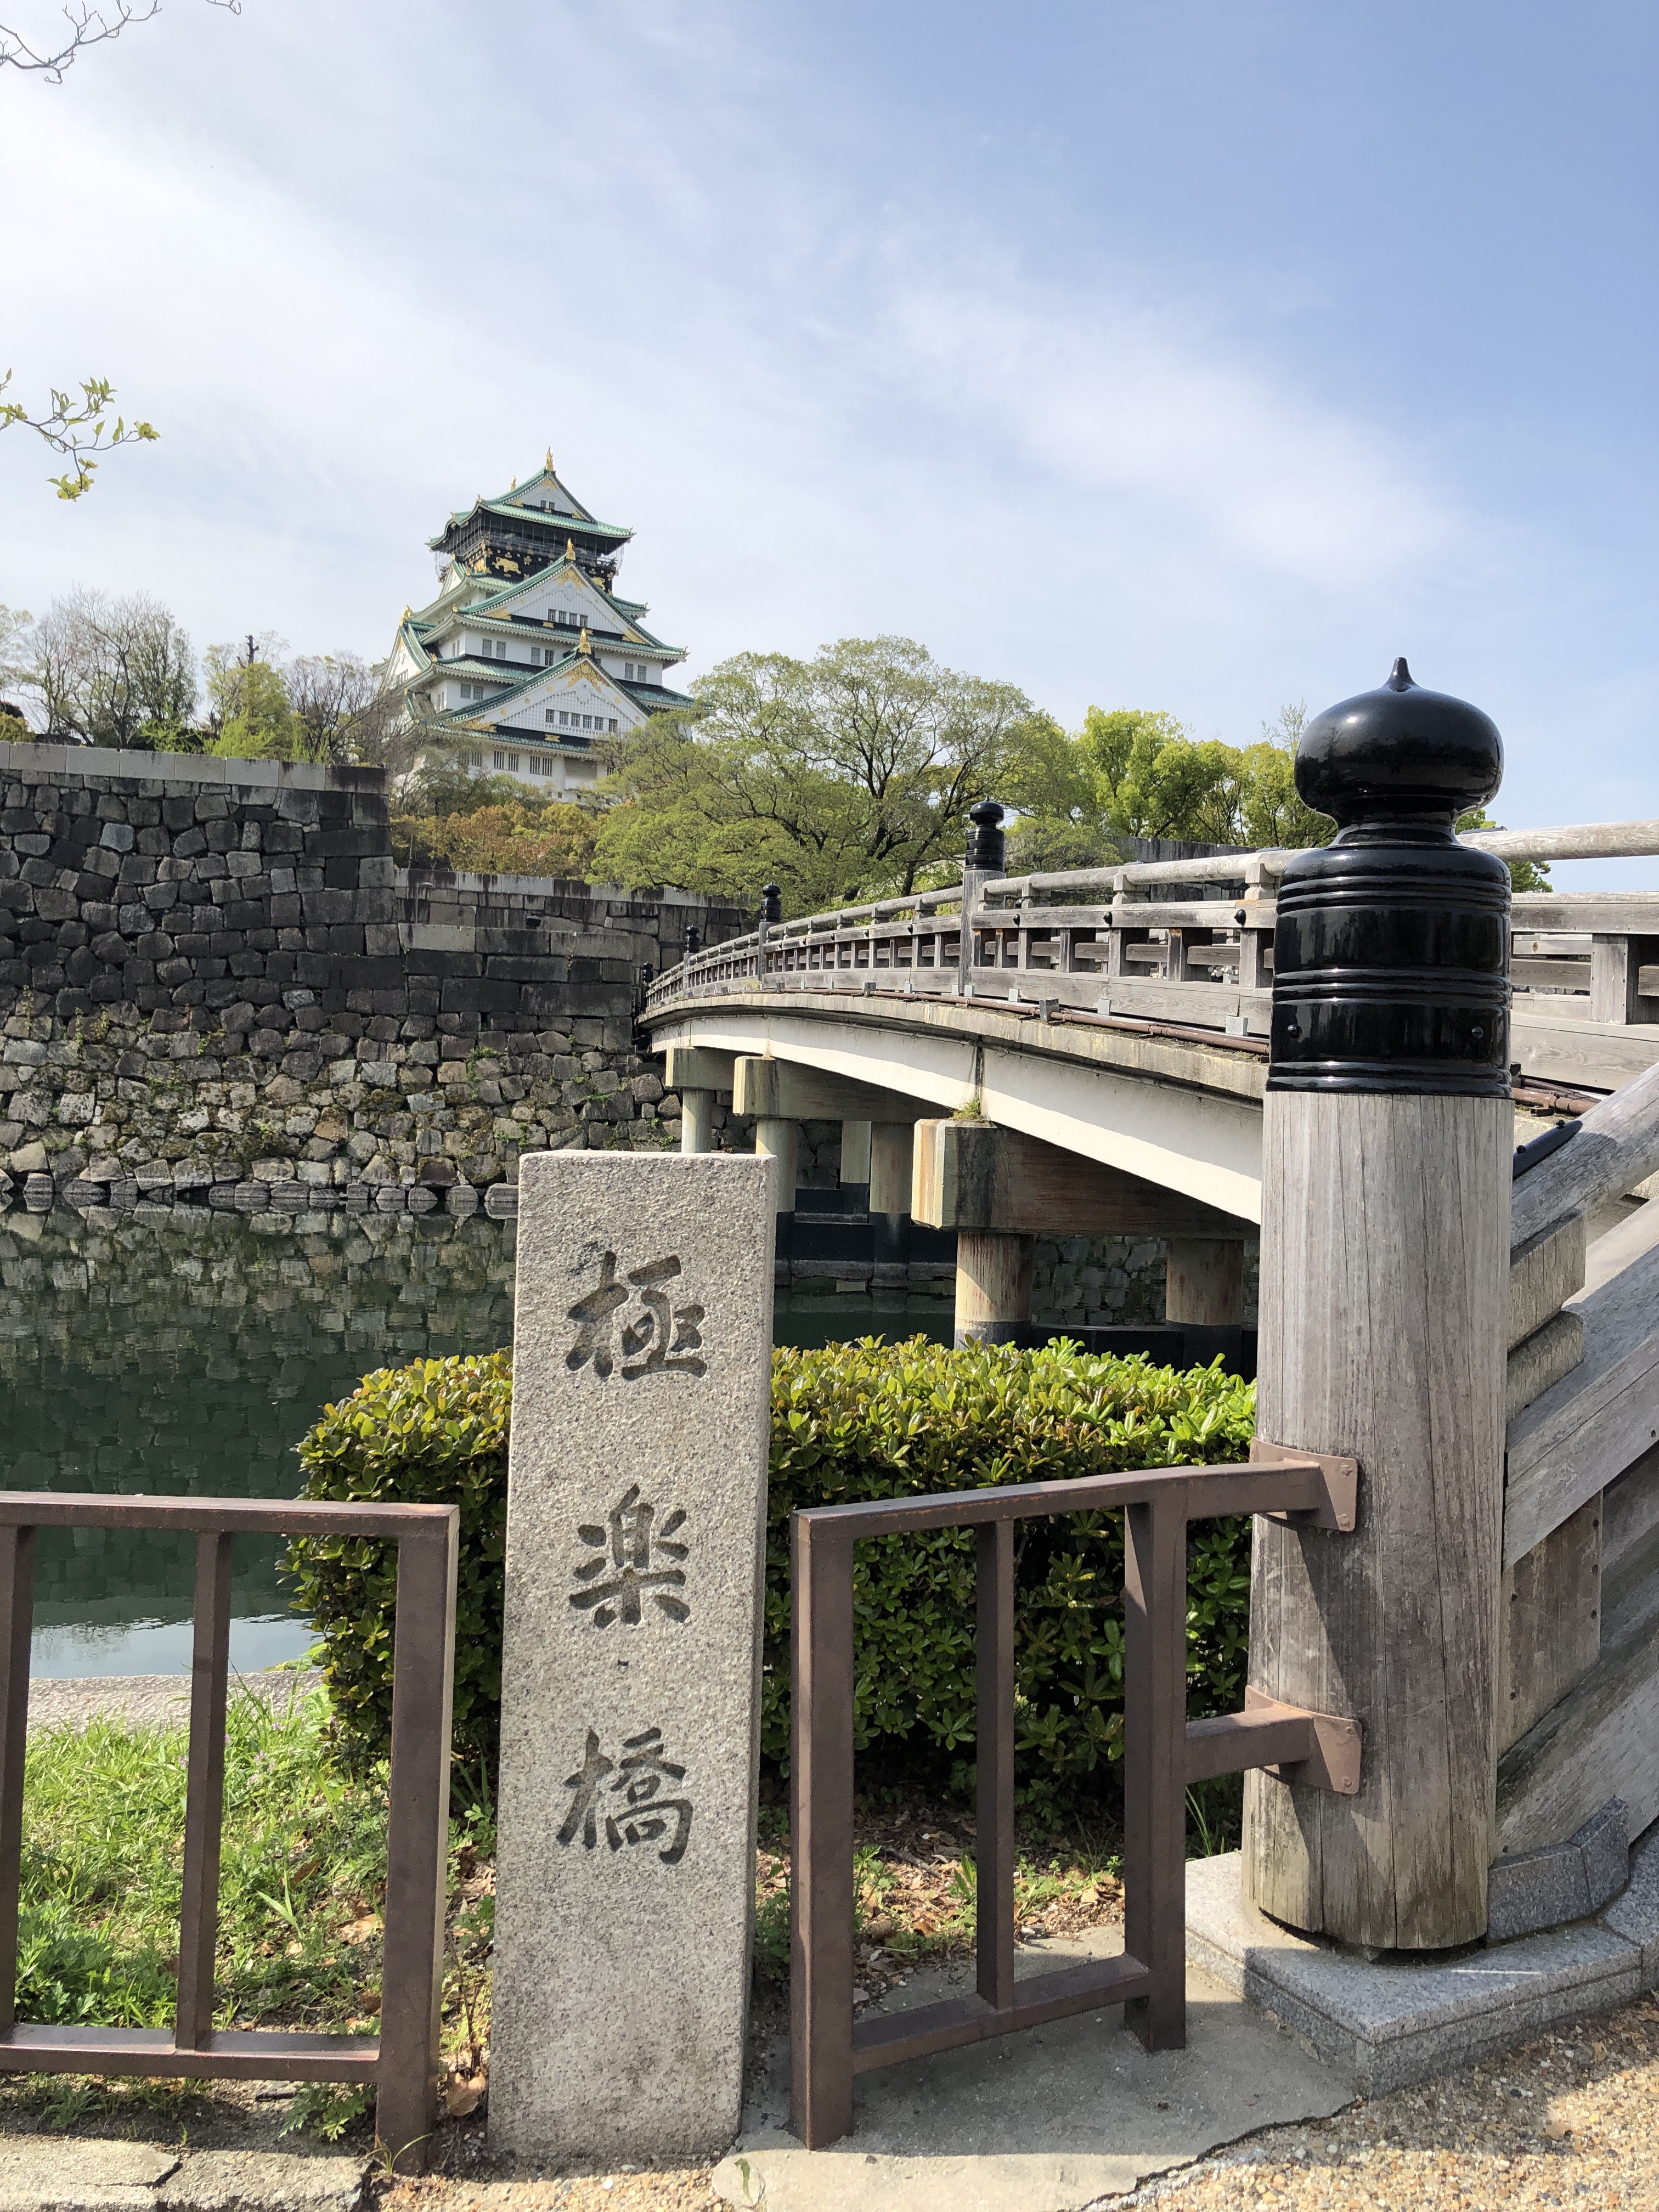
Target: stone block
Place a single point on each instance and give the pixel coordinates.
(636, 1501)
(1635, 1913)
(1604, 1840)
(1535, 1889)
(1394, 2021)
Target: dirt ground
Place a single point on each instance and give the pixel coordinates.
(1572, 2119)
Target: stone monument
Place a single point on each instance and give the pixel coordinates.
(631, 1689)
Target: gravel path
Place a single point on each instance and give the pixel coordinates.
(145, 1700)
(1572, 2119)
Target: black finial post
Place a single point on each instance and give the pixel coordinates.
(693, 939)
(988, 847)
(1391, 945)
(771, 904)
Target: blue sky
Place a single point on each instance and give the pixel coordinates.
(1198, 354)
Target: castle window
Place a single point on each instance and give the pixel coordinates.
(611, 725)
(500, 762)
(550, 715)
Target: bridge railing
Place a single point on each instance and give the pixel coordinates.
(1185, 941)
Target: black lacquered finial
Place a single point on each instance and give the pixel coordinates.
(771, 904)
(1398, 753)
(987, 847)
(1391, 944)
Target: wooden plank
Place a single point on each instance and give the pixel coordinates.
(1617, 1147)
(1549, 975)
(973, 1176)
(1607, 914)
(1630, 1512)
(1544, 1271)
(1537, 1364)
(1383, 1280)
(1583, 1433)
(1601, 1739)
(1592, 1055)
(1549, 1622)
(1207, 1005)
(1576, 841)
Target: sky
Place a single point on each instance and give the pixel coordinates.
(1199, 355)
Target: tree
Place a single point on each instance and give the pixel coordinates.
(854, 768)
(15, 659)
(517, 836)
(344, 707)
(1272, 812)
(250, 716)
(78, 428)
(88, 26)
(108, 671)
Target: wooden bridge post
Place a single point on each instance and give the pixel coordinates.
(892, 1149)
(1387, 1140)
(987, 857)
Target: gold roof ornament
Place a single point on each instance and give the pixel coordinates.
(583, 643)
(569, 549)
(548, 462)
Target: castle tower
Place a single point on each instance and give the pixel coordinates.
(528, 659)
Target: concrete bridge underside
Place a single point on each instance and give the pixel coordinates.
(1182, 1113)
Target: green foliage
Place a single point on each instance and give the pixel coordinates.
(875, 1420)
(304, 1851)
(432, 1433)
(1130, 773)
(76, 429)
(852, 1421)
(851, 772)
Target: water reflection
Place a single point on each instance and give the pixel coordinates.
(185, 1352)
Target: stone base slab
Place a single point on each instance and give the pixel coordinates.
(1393, 2021)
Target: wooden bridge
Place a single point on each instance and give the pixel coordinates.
(1087, 1053)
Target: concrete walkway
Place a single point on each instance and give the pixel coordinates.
(59, 2174)
(1038, 2122)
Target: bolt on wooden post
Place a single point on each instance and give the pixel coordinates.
(1386, 1149)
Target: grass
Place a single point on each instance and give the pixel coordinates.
(301, 1883)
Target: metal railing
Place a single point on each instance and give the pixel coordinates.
(1184, 941)
(1163, 1753)
(402, 2061)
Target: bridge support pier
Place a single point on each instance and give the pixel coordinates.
(993, 1287)
(892, 1155)
(696, 1120)
(1204, 1281)
(855, 1154)
(781, 1140)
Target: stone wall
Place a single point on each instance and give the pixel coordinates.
(212, 977)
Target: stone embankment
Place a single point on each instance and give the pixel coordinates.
(215, 984)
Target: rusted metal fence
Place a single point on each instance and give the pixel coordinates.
(1162, 1753)
(402, 2060)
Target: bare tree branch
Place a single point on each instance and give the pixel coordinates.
(88, 26)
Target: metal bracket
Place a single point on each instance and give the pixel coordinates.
(1287, 1741)
(1333, 1764)
(1342, 1475)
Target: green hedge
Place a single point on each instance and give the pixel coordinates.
(860, 1421)
(432, 1433)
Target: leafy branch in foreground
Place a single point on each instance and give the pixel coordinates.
(77, 429)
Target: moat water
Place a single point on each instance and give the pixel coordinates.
(186, 1354)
